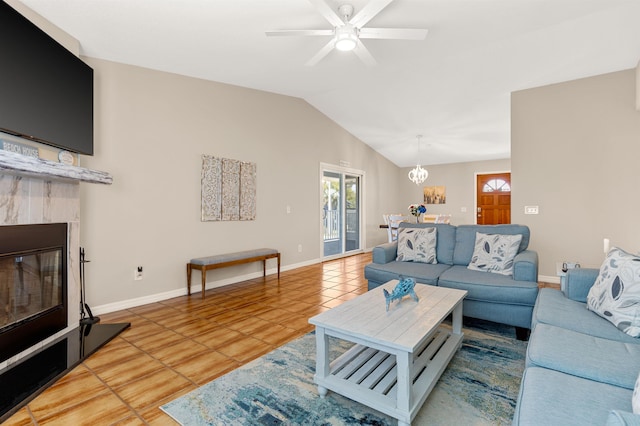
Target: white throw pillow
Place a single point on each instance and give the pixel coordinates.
(615, 295)
(495, 253)
(417, 245)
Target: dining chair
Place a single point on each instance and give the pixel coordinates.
(394, 222)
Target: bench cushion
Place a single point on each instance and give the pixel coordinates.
(230, 257)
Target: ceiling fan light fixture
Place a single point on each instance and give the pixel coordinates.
(346, 38)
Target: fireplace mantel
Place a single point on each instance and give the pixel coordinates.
(30, 166)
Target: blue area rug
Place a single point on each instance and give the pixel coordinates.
(479, 387)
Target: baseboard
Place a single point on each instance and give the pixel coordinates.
(552, 279)
(195, 289)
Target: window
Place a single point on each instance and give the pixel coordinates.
(496, 185)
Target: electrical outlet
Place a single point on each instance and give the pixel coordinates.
(137, 274)
(299, 248)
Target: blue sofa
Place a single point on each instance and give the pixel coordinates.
(580, 369)
(493, 297)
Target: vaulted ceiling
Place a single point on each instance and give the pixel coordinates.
(453, 87)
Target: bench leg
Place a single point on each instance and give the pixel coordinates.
(203, 272)
(278, 265)
(264, 267)
(188, 279)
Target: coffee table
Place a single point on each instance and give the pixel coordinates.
(398, 355)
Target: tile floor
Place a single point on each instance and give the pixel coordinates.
(177, 345)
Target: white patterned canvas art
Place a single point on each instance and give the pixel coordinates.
(228, 189)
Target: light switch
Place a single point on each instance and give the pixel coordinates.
(530, 209)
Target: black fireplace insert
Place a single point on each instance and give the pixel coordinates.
(33, 285)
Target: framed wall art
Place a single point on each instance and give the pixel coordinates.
(435, 194)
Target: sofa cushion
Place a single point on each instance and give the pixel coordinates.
(635, 400)
(582, 355)
(578, 283)
(446, 239)
(417, 245)
(622, 418)
(548, 397)
(552, 307)
(495, 253)
(466, 239)
(422, 273)
(487, 287)
(615, 295)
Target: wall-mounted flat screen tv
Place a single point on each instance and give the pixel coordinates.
(46, 92)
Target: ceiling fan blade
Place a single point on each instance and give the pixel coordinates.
(394, 33)
(368, 12)
(327, 11)
(299, 33)
(321, 54)
(365, 56)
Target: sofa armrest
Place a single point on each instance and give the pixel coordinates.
(385, 253)
(578, 283)
(525, 266)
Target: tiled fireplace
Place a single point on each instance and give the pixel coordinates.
(39, 254)
(33, 200)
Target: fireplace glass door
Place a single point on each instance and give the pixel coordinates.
(30, 285)
(33, 284)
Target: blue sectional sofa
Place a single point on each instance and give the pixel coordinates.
(493, 297)
(580, 368)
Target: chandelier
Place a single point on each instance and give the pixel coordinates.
(418, 174)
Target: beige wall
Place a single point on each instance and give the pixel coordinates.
(151, 130)
(459, 179)
(574, 152)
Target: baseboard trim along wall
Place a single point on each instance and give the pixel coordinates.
(195, 289)
(552, 279)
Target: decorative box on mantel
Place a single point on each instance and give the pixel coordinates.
(34, 191)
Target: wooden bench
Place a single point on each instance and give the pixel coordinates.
(203, 264)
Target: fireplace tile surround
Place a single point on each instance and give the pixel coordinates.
(36, 191)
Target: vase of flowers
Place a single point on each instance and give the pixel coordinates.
(416, 210)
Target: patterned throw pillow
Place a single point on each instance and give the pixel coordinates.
(495, 253)
(615, 295)
(417, 245)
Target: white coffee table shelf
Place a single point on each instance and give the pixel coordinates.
(398, 355)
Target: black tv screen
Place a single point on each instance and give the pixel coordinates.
(46, 92)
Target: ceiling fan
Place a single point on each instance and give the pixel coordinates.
(348, 31)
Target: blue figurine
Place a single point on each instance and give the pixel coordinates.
(403, 288)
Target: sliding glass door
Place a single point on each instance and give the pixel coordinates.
(341, 211)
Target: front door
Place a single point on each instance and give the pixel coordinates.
(493, 198)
